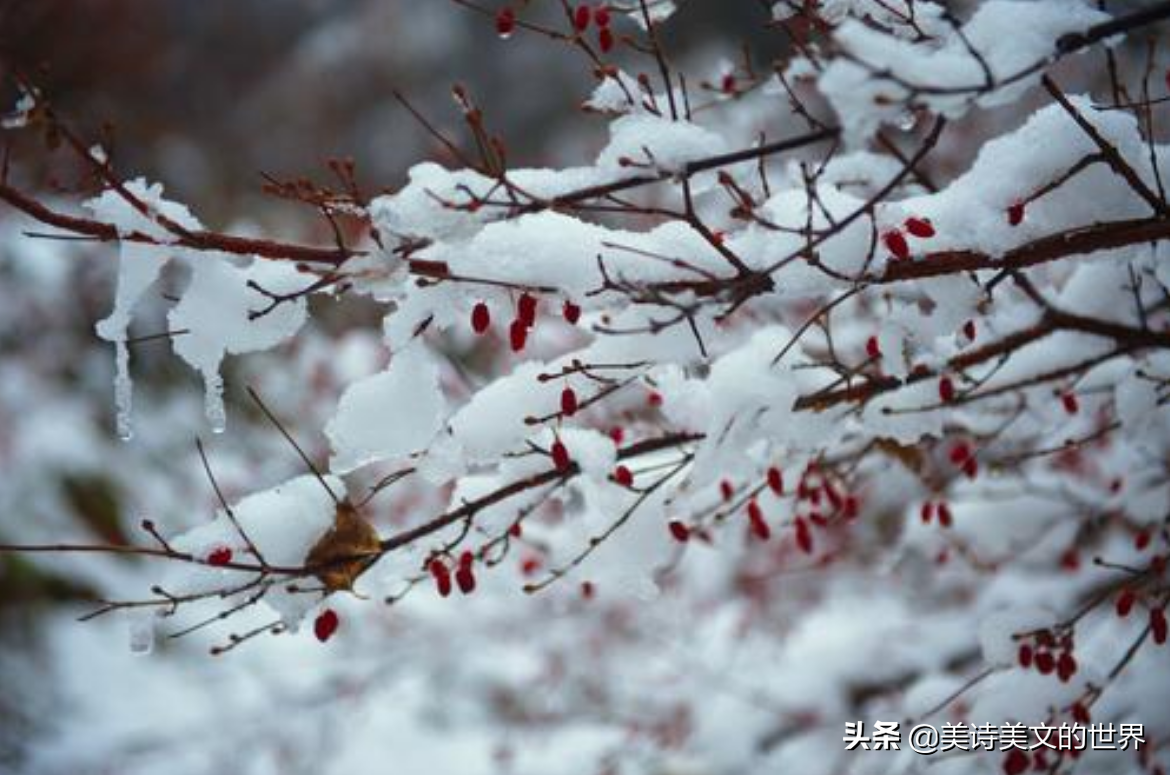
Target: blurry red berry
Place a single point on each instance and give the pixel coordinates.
(920, 227)
(946, 389)
(623, 476)
(601, 15)
(220, 556)
(679, 531)
(326, 624)
(605, 40)
(1125, 602)
(517, 335)
(803, 536)
(1016, 762)
(571, 312)
(568, 402)
(526, 309)
(581, 17)
(481, 318)
(944, 514)
(1158, 625)
(560, 456)
(1015, 214)
(465, 578)
(1069, 402)
(776, 480)
(1025, 656)
(872, 348)
(505, 21)
(896, 244)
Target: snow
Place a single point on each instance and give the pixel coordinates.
(389, 415)
(222, 314)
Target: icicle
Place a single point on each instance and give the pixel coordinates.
(213, 400)
(123, 391)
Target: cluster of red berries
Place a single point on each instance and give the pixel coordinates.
(1048, 654)
(584, 15)
(1018, 761)
(1158, 624)
(932, 509)
(962, 456)
(481, 319)
(895, 241)
(464, 574)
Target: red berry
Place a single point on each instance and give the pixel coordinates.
(466, 559)
(726, 490)
(1080, 713)
(1125, 602)
(946, 389)
(530, 565)
(896, 244)
(581, 17)
(1069, 402)
(481, 318)
(568, 402)
(803, 536)
(571, 312)
(517, 335)
(505, 22)
(927, 512)
(601, 15)
(1142, 540)
(960, 453)
(727, 85)
(219, 556)
(588, 590)
(1158, 625)
(872, 348)
(605, 40)
(441, 575)
(1066, 666)
(1025, 656)
(760, 528)
(326, 624)
(623, 476)
(560, 456)
(1045, 662)
(465, 578)
(526, 309)
(1016, 762)
(944, 514)
(654, 398)
(516, 530)
(969, 330)
(776, 480)
(679, 531)
(971, 468)
(617, 435)
(851, 508)
(920, 227)
(1015, 214)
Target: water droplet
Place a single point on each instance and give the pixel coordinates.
(907, 121)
